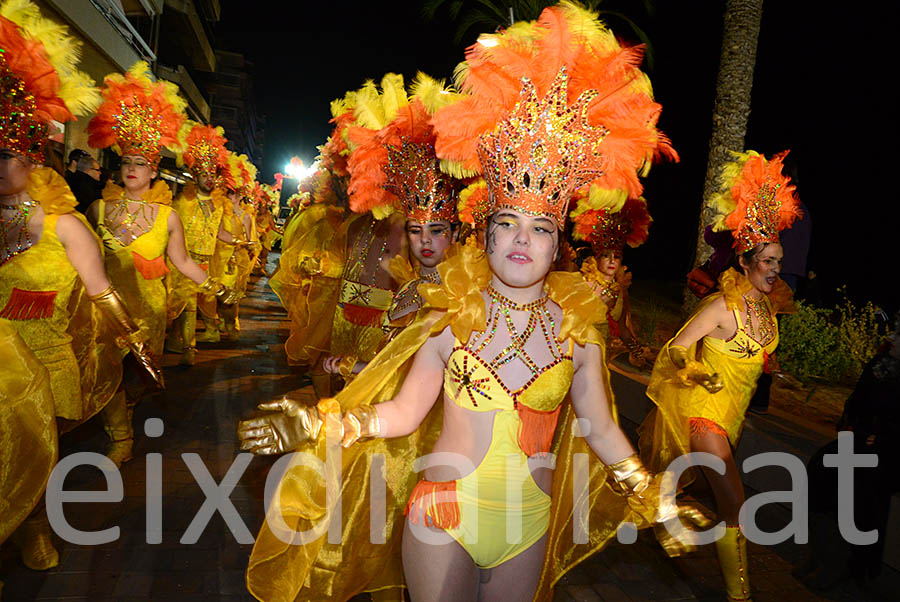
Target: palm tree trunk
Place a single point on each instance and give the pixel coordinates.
(732, 109)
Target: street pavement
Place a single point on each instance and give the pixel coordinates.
(199, 411)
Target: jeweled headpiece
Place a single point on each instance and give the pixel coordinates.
(137, 116)
(544, 150)
(203, 148)
(755, 200)
(550, 106)
(392, 161)
(610, 229)
(426, 194)
(38, 78)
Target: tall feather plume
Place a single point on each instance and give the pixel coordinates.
(51, 41)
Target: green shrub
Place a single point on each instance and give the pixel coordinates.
(828, 345)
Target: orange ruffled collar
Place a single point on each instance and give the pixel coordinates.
(734, 285)
(466, 273)
(50, 190)
(158, 193)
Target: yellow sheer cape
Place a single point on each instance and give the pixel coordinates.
(28, 443)
(665, 433)
(320, 570)
(308, 279)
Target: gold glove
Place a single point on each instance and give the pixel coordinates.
(674, 536)
(630, 476)
(360, 423)
(112, 307)
(693, 372)
(634, 481)
(226, 295)
(289, 425)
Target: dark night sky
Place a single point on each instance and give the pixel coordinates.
(821, 89)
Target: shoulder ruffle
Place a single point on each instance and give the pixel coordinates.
(734, 285)
(782, 298)
(50, 190)
(589, 270)
(401, 270)
(159, 193)
(112, 192)
(219, 198)
(463, 276)
(582, 310)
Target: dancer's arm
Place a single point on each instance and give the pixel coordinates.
(591, 405)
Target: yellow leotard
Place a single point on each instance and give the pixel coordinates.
(486, 511)
(136, 270)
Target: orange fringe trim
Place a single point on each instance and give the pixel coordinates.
(435, 502)
(29, 305)
(703, 426)
(537, 429)
(150, 269)
(362, 316)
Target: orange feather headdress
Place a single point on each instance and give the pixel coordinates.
(608, 230)
(137, 116)
(755, 200)
(392, 162)
(203, 148)
(38, 79)
(549, 107)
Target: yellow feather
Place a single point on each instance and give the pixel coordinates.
(393, 95)
(432, 92)
(369, 111)
(602, 198)
(63, 51)
(455, 169)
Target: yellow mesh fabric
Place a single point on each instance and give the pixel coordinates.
(28, 444)
(308, 279)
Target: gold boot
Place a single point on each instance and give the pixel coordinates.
(34, 540)
(117, 424)
(732, 552)
(211, 334)
(175, 342)
(189, 356)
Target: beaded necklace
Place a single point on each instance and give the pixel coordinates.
(119, 211)
(538, 315)
(207, 225)
(18, 223)
(353, 269)
(760, 310)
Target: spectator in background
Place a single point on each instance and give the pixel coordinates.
(72, 165)
(873, 415)
(85, 182)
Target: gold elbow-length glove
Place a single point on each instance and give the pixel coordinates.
(111, 306)
(289, 424)
(693, 372)
(226, 295)
(635, 482)
(359, 423)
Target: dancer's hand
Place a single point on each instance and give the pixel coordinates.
(332, 364)
(289, 425)
(676, 535)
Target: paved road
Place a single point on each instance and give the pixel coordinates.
(199, 411)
